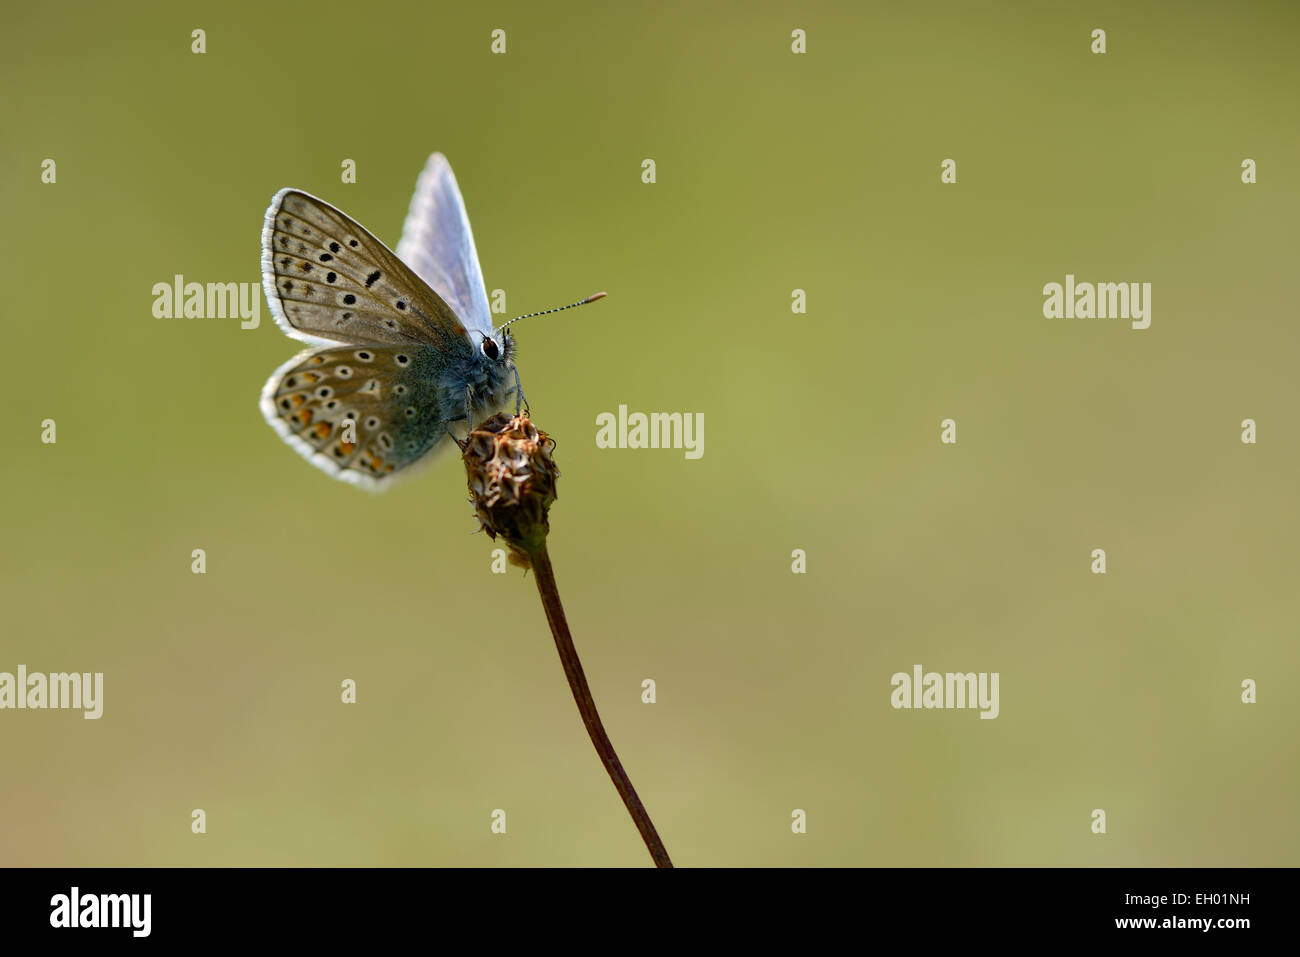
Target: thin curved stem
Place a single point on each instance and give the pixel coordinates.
(546, 587)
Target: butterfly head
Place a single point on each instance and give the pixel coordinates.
(497, 348)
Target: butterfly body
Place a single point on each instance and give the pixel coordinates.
(405, 343)
(470, 383)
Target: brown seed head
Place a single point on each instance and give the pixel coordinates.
(512, 481)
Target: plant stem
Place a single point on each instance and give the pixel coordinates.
(541, 562)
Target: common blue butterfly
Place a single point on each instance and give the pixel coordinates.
(405, 342)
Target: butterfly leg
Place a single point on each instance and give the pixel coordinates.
(465, 417)
(452, 435)
(469, 422)
(520, 401)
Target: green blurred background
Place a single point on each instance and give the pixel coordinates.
(775, 171)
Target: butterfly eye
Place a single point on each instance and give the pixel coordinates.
(490, 348)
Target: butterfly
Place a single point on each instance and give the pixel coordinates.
(405, 343)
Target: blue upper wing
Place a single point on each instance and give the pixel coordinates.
(437, 243)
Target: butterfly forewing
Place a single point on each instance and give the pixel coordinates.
(438, 244)
(328, 279)
(360, 412)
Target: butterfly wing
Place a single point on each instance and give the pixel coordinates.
(383, 390)
(438, 244)
(329, 280)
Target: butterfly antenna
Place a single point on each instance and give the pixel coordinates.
(581, 302)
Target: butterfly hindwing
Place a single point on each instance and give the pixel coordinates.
(438, 244)
(378, 396)
(329, 280)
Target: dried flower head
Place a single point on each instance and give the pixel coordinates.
(512, 482)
